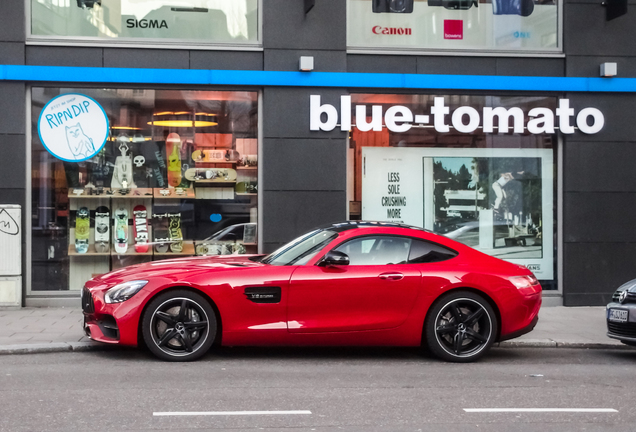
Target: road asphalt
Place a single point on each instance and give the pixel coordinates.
(320, 389)
(40, 330)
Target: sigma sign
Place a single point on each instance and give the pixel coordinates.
(464, 119)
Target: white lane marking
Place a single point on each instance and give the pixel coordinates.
(228, 413)
(576, 410)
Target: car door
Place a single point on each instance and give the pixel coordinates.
(377, 290)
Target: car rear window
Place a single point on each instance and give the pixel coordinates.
(427, 252)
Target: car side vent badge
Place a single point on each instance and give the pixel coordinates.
(263, 294)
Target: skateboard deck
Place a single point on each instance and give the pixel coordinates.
(82, 230)
(201, 249)
(120, 233)
(207, 249)
(141, 171)
(122, 172)
(102, 229)
(141, 229)
(176, 236)
(173, 153)
(212, 156)
(162, 236)
(211, 174)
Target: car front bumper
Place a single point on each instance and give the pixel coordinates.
(624, 331)
(115, 323)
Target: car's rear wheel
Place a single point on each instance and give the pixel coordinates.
(460, 327)
(179, 326)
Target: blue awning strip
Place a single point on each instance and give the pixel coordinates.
(61, 74)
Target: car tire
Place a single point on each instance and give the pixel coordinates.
(179, 326)
(460, 327)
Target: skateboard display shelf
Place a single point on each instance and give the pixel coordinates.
(84, 195)
(91, 251)
(246, 167)
(188, 193)
(214, 162)
(132, 252)
(188, 250)
(134, 193)
(209, 183)
(246, 193)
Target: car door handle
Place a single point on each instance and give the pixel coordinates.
(391, 276)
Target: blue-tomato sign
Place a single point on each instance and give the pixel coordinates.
(73, 127)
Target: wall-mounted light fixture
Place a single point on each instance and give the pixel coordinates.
(182, 119)
(609, 69)
(306, 63)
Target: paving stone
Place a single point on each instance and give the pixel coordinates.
(32, 330)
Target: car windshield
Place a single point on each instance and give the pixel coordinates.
(300, 250)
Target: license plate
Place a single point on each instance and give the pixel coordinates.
(618, 315)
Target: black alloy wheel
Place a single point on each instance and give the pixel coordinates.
(179, 326)
(460, 327)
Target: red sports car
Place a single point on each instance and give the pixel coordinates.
(351, 283)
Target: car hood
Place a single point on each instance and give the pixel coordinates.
(627, 285)
(630, 287)
(175, 268)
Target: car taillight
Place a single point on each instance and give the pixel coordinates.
(522, 282)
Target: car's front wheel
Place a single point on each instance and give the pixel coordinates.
(460, 327)
(179, 326)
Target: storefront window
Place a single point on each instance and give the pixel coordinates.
(492, 191)
(487, 25)
(176, 176)
(206, 21)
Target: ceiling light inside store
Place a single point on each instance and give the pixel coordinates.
(125, 128)
(131, 139)
(183, 119)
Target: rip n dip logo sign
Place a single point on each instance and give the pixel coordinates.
(464, 119)
(73, 127)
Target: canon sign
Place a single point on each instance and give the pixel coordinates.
(391, 30)
(464, 119)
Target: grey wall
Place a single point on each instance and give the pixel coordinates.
(304, 172)
(599, 200)
(12, 116)
(599, 190)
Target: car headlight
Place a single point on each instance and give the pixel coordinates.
(124, 291)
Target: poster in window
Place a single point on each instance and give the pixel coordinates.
(498, 201)
(204, 21)
(492, 25)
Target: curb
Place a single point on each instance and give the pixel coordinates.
(95, 346)
(52, 348)
(547, 343)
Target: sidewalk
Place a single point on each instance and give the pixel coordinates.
(36, 330)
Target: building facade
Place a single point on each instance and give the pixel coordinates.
(191, 128)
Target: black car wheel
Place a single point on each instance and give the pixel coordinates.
(460, 327)
(179, 326)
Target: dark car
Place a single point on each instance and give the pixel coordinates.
(621, 314)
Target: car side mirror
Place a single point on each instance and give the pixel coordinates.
(335, 258)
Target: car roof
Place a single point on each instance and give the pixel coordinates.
(349, 225)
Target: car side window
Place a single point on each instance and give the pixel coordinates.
(427, 252)
(376, 250)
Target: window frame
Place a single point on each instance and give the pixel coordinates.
(151, 43)
(557, 52)
(48, 298)
(389, 235)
